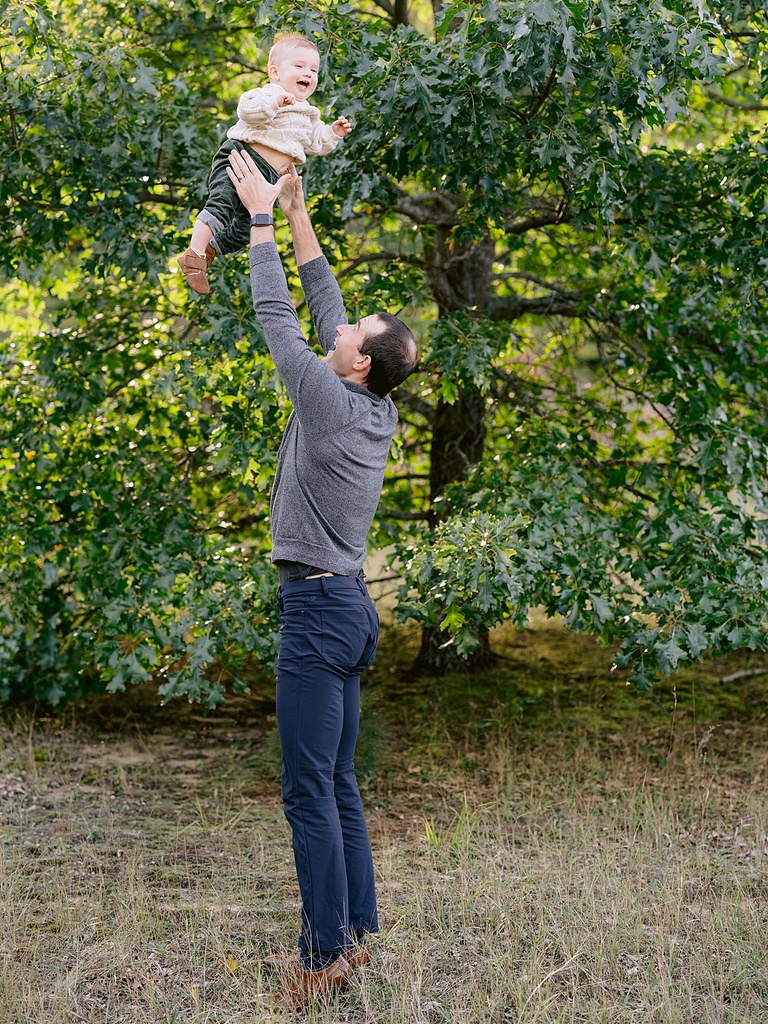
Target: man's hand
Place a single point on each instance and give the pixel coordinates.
(256, 193)
(292, 203)
(292, 197)
(341, 127)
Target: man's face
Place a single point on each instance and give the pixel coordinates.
(297, 71)
(349, 338)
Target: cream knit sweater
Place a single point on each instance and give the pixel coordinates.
(294, 130)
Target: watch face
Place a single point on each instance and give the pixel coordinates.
(260, 220)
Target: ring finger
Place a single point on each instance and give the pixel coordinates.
(239, 165)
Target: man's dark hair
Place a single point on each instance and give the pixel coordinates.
(393, 355)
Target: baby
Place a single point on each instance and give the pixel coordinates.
(277, 126)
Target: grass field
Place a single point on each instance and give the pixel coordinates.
(550, 847)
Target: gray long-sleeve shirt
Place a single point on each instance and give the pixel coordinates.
(330, 466)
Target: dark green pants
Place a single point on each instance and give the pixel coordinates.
(223, 212)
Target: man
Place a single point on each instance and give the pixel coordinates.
(329, 478)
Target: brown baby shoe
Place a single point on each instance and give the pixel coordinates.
(193, 267)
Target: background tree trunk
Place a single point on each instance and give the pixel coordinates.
(460, 277)
(458, 440)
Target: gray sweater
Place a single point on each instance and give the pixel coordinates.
(330, 466)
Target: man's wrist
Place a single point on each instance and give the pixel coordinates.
(299, 217)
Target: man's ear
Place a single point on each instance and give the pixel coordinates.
(362, 362)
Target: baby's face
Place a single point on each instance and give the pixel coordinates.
(297, 71)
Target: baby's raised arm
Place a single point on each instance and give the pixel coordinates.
(257, 106)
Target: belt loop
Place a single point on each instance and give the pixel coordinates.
(324, 585)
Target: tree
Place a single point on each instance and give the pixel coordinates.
(570, 199)
(138, 433)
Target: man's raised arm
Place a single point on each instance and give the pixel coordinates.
(292, 357)
(326, 306)
(323, 295)
(318, 396)
(305, 243)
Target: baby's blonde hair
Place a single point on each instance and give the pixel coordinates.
(285, 42)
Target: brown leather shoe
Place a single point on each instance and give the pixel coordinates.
(193, 267)
(358, 956)
(277, 963)
(299, 986)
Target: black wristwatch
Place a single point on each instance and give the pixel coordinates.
(262, 220)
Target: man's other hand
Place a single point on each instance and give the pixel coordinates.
(256, 193)
(292, 196)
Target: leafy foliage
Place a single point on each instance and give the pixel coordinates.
(136, 438)
(569, 199)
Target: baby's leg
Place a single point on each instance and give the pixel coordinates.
(233, 233)
(221, 203)
(223, 225)
(225, 216)
(201, 237)
(221, 206)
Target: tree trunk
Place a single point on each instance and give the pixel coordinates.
(458, 440)
(437, 657)
(399, 13)
(460, 277)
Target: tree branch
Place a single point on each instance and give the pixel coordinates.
(558, 215)
(145, 196)
(542, 98)
(735, 104)
(413, 403)
(406, 476)
(511, 307)
(745, 673)
(397, 12)
(533, 278)
(378, 257)
(409, 516)
(421, 208)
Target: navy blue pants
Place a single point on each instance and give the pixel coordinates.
(329, 634)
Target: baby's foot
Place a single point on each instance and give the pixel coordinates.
(193, 267)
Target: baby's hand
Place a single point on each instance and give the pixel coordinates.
(341, 127)
(286, 100)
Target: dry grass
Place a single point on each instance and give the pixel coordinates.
(585, 872)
